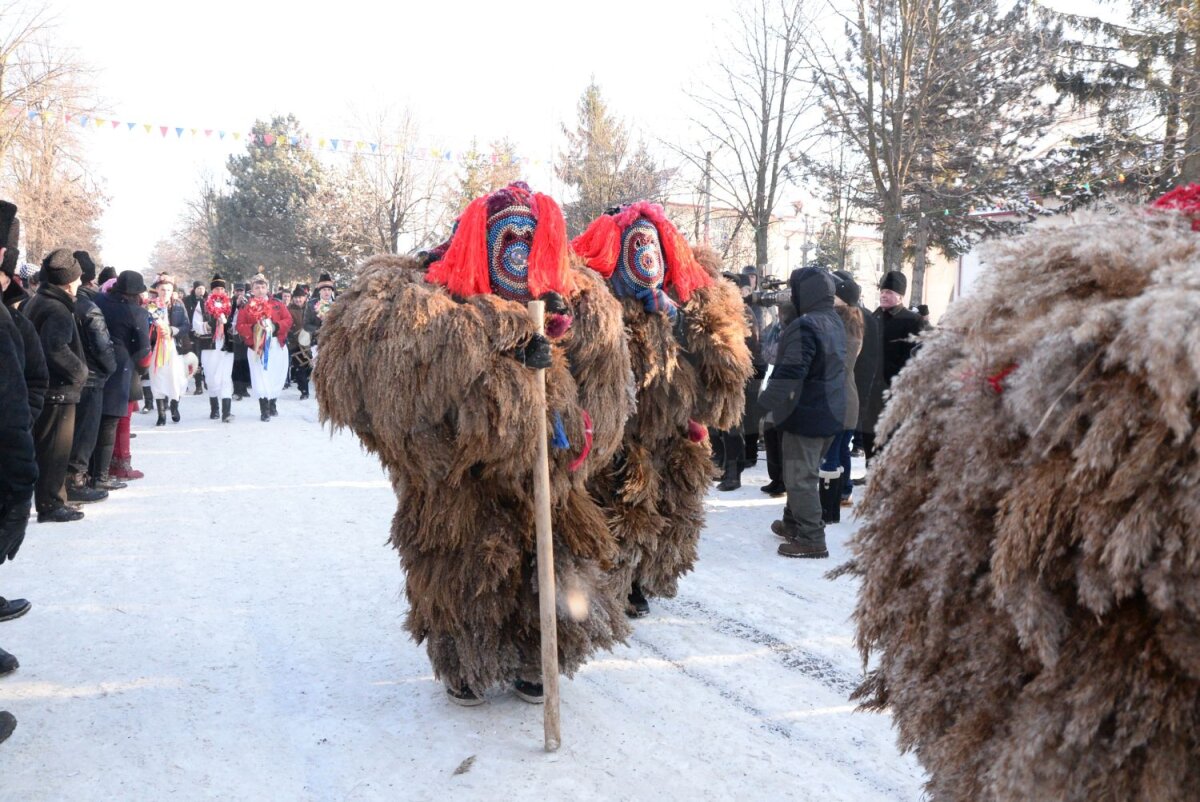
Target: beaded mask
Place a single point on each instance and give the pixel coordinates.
(509, 240)
(640, 263)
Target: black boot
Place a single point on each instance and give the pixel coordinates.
(214, 410)
(264, 410)
(637, 606)
(161, 405)
(148, 397)
(831, 497)
(271, 408)
(8, 723)
(199, 382)
(174, 412)
(8, 663)
(226, 415)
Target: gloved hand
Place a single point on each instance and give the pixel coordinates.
(12, 528)
(535, 353)
(695, 432)
(555, 304)
(657, 301)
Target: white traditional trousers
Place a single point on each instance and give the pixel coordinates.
(218, 372)
(169, 381)
(267, 379)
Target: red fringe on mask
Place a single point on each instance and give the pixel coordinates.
(464, 268)
(548, 255)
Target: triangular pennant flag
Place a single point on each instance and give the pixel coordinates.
(83, 121)
(131, 125)
(208, 132)
(147, 126)
(67, 117)
(179, 132)
(99, 122)
(268, 139)
(335, 143)
(193, 130)
(116, 123)
(164, 129)
(321, 142)
(374, 146)
(220, 134)
(237, 135)
(295, 140)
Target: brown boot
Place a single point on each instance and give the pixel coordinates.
(812, 547)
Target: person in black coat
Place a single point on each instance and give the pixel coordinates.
(36, 378)
(101, 363)
(867, 377)
(806, 397)
(52, 312)
(193, 301)
(129, 330)
(899, 325)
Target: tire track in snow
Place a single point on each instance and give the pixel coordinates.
(792, 657)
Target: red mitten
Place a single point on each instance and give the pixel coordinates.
(695, 432)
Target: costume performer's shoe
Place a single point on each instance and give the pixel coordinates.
(529, 691)
(637, 606)
(161, 405)
(174, 412)
(271, 408)
(214, 408)
(264, 411)
(464, 696)
(226, 415)
(13, 608)
(8, 663)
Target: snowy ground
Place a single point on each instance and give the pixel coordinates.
(229, 627)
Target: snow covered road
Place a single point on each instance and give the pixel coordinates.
(229, 627)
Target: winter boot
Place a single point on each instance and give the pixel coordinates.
(529, 691)
(226, 415)
(774, 489)
(199, 383)
(148, 397)
(8, 663)
(271, 408)
(637, 606)
(264, 410)
(107, 482)
(13, 608)
(831, 496)
(463, 695)
(174, 412)
(810, 547)
(214, 408)
(123, 469)
(79, 492)
(161, 405)
(8, 723)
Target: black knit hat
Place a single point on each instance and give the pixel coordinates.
(106, 274)
(86, 265)
(10, 236)
(895, 281)
(130, 282)
(846, 288)
(60, 268)
(217, 281)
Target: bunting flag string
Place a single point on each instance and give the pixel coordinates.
(340, 145)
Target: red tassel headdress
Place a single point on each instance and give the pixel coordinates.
(600, 247)
(464, 267)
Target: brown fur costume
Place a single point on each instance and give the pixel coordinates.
(429, 385)
(655, 490)
(1030, 554)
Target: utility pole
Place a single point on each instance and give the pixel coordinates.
(804, 247)
(707, 195)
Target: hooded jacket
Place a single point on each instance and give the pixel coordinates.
(806, 393)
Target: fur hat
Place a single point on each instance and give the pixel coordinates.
(259, 278)
(216, 282)
(130, 282)
(895, 281)
(86, 265)
(325, 280)
(10, 237)
(162, 278)
(60, 268)
(106, 274)
(301, 289)
(846, 288)
(512, 243)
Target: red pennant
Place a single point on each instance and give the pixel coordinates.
(164, 129)
(208, 132)
(268, 139)
(116, 123)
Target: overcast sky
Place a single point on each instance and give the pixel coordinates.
(466, 69)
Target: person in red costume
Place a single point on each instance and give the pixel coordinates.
(263, 324)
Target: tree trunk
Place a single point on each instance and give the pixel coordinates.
(1190, 172)
(762, 229)
(893, 238)
(1178, 68)
(917, 295)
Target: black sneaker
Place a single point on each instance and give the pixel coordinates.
(463, 696)
(85, 495)
(529, 691)
(13, 608)
(8, 663)
(60, 515)
(637, 607)
(8, 723)
(774, 489)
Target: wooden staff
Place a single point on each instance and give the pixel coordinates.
(547, 594)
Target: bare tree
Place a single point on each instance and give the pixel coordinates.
(753, 118)
(28, 68)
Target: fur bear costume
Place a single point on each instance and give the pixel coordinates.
(687, 342)
(424, 366)
(1030, 551)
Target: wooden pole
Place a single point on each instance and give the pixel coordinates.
(547, 595)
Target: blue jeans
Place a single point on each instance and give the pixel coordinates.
(839, 454)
